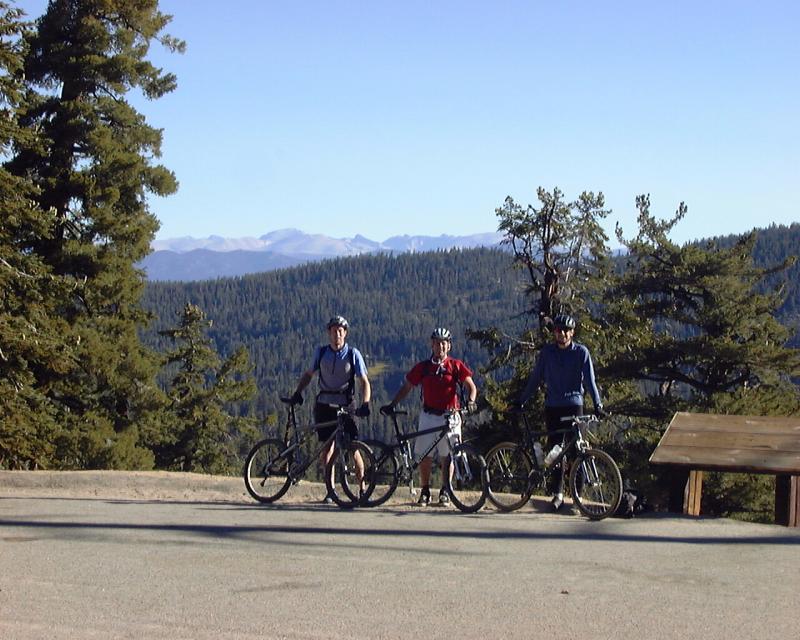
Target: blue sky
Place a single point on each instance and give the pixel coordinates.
(389, 118)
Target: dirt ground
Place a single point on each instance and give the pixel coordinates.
(179, 487)
(139, 485)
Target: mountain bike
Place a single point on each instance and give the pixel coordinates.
(515, 470)
(273, 465)
(396, 463)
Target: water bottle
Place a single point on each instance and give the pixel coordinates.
(552, 455)
(537, 451)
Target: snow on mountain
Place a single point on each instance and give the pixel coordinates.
(295, 242)
(188, 258)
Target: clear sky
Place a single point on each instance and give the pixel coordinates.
(420, 117)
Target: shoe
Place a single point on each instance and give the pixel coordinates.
(557, 501)
(328, 499)
(444, 497)
(424, 498)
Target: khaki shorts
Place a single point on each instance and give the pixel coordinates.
(429, 421)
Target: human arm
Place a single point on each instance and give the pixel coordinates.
(402, 393)
(472, 394)
(534, 380)
(363, 383)
(591, 384)
(302, 383)
(366, 395)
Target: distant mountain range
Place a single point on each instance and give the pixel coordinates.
(187, 258)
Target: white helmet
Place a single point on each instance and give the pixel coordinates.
(338, 321)
(440, 333)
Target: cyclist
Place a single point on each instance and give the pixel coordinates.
(439, 376)
(565, 367)
(339, 366)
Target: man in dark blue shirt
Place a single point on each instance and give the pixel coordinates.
(565, 367)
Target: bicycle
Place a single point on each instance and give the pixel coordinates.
(515, 470)
(273, 465)
(395, 463)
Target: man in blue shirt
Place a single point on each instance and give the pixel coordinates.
(339, 366)
(565, 367)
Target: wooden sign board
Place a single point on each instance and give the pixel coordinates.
(747, 444)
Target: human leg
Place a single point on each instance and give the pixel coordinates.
(325, 413)
(452, 439)
(555, 436)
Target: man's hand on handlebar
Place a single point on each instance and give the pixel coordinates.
(387, 409)
(363, 411)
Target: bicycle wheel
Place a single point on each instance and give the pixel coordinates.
(266, 471)
(467, 481)
(508, 467)
(595, 483)
(384, 476)
(348, 475)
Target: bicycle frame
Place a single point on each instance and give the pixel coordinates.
(408, 462)
(577, 425)
(299, 435)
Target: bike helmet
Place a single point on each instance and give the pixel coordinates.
(338, 321)
(564, 321)
(440, 333)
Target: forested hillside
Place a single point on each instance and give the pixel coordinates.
(392, 303)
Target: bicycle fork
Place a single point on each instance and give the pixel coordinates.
(405, 461)
(461, 467)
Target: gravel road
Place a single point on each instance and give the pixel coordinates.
(158, 555)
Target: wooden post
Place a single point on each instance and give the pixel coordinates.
(676, 479)
(693, 493)
(787, 500)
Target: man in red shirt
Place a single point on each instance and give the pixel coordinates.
(439, 376)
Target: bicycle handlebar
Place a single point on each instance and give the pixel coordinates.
(581, 419)
(394, 412)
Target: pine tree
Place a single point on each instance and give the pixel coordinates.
(692, 324)
(32, 344)
(561, 248)
(692, 328)
(92, 168)
(204, 436)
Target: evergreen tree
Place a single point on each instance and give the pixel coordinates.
(204, 436)
(92, 168)
(32, 344)
(691, 323)
(692, 328)
(561, 248)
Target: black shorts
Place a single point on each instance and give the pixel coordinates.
(325, 413)
(552, 420)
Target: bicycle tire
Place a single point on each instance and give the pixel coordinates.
(385, 477)
(508, 468)
(266, 471)
(341, 475)
(595, 483)
(467, 483)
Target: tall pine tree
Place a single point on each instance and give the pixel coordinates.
(561, 248)
(92, 166)
(33, 347)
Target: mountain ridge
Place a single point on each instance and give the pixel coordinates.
(189, 259)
